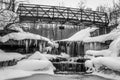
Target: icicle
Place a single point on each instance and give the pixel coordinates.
(36, 42)
(30, 42)
(40, 47)
(26, 45)
(21, 42)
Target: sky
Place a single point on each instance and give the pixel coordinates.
(73, 3)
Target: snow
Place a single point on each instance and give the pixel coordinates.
(50, 56)
(114, 34)
(32, 65)
(10, 73)
(112, 51)
(110, 57)
(112, 22)
(16, 27)
(80, 35)
(24, 35)
(105, 61)
(13, 73)
(98, 53)
(102, 38)
(35, 64)
(37, 55)
(5, 56)
(64, 55)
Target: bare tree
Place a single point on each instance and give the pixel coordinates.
(102, 8)
(7, 14)
(82, 4)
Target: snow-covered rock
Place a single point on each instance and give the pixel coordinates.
(24, 35)
(38, 56)
(5, 56)
(64, 55)
(109, 62)
(32, 65)
(38, 60)
(104, 53)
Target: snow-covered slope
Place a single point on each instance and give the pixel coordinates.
(114, 34)
(80, 35)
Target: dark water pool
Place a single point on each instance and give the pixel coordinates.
(62, 77)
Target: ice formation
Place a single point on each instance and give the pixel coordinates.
(26, 35)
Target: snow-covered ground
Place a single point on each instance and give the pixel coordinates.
(10, 73)
(35, 64)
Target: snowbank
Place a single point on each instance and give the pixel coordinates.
(11, 73)
(110, 62)
(79, 36)
(5, 56)
(33, 65)
(114, 34)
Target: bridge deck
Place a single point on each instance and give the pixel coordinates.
(31, 12)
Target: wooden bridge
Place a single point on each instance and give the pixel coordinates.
(52, 14)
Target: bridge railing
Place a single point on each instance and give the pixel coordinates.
(61, 14)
